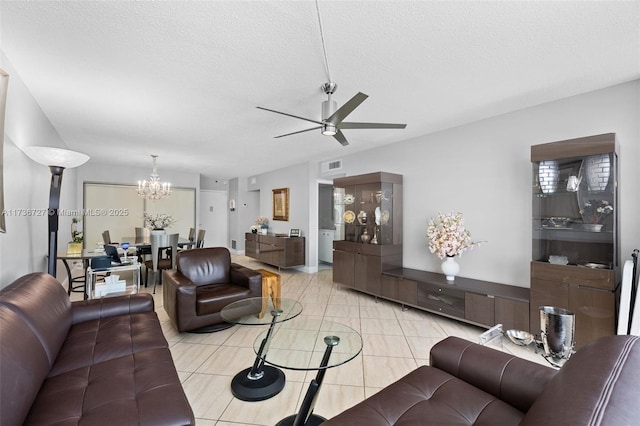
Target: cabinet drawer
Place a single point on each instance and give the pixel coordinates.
(578, 275)
(479, 308)
(512, 314)
(408, 291)
(441, 299)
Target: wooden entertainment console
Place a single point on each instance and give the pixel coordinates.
(477, 302)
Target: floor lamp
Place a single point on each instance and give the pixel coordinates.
(57, 159)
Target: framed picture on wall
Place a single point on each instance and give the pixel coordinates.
(281, 204)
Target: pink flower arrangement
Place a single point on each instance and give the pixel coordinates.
(448, 237)
(261, 221)
(594, 211)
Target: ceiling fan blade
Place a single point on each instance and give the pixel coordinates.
(351, 125)
(340, 138)
(299, 131)
(291, 115)
(346, 109)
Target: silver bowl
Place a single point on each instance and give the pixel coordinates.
(520, 337)
(560, 222)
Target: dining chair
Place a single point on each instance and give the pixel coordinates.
(143, 252)
(192, 236)
(106, 238)
(142, 232)
(161, 258)
(200, 239)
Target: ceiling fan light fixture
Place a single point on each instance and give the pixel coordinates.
(329, 130)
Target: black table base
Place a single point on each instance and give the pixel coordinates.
(313, 420)
(211, 328)
(267, 386)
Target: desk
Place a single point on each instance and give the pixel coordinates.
(310, 344)
(259, 382)
(85, 256)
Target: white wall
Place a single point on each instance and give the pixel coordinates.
(483, 170)
(297, 179)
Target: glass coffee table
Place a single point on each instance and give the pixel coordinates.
(260, 382)
(310, 344)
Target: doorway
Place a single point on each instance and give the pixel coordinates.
(214, 218)
(326, 227)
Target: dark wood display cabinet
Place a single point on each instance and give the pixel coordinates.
(283, 252)
(575, 248)
(368, 221)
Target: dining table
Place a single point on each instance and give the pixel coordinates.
(144, 242)
(84, 256)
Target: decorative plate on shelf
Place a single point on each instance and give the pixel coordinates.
(596, 265)
(349, 216)
(385, 217)
(349, 199)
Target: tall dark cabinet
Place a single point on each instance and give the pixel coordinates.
(368, 221)
(575, 248)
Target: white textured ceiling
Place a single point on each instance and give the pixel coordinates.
(182, 79)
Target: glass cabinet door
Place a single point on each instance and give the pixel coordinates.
(363, 213)
(574, 211)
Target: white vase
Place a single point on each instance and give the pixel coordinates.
(450, 268)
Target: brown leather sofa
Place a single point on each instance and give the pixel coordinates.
(204, 282)
(95, 362)
(471, 384)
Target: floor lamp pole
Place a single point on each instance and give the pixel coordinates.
(54, 204)
(57, 159)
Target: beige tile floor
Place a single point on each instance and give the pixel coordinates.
(395, 341)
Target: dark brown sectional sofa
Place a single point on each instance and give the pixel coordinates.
(96, 362)
(471, 384)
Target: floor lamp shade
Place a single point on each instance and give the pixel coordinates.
(57, 159)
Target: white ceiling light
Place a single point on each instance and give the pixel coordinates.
(153, 189)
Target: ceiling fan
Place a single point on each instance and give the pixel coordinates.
(331, 123)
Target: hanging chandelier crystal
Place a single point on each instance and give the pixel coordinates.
(153, 189)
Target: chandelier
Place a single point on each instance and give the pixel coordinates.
(153, 189)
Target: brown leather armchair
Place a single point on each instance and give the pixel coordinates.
(204, 282)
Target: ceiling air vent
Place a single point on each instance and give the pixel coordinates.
(330, 166)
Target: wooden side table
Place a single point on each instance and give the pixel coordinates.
(271, 287)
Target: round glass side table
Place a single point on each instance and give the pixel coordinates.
(310, 344)
(260, 382)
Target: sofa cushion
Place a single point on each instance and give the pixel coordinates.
(142, 388)
(429, 396)
(211, 299)
(104, 339)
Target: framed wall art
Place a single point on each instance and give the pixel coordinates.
(281, 204)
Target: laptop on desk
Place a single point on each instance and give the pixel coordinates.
(112, 252)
